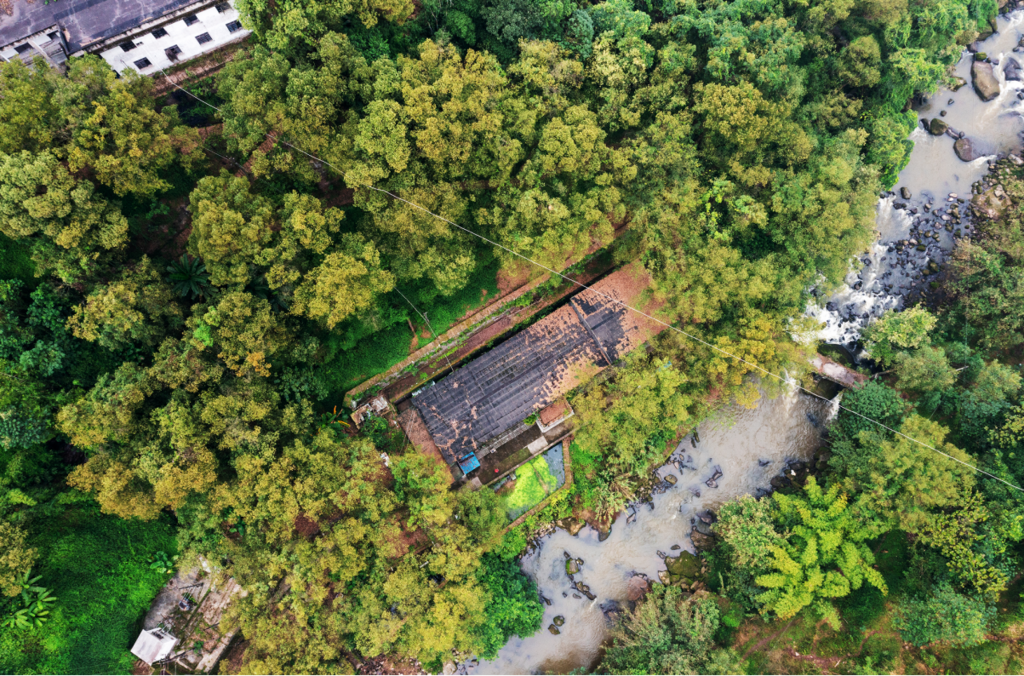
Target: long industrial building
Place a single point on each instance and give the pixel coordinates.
(481, 405)
(143, 35)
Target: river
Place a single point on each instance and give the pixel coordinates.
(885, 276)
(749, 447)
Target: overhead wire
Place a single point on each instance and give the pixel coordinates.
(788, 381)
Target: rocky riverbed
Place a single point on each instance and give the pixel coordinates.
(965, 134)
(586, 578)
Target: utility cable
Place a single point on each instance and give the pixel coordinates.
(436, 337)
(788, 381)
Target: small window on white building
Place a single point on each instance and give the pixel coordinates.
(142, 63)
(191, 19)
(21, 49)
(52, 36)
(172, 52)
(234, 26)
(159, 33)
(203, 39)
(222, 7)
(128, 46)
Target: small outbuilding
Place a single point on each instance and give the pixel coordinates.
(154, 645)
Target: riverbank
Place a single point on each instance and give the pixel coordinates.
(743, 448)
(927, 213)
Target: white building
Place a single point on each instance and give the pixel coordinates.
(145, 35)
(154, 645)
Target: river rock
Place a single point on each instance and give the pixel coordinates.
(671, 478)
(575, 526)
(988, 205)
(674, 548)
(664, 578)
(571, 567)
(937, 128)
(905, 192)
(778, 482)
(558, 621)
(553, 629)
(702, 542)
(985, 81)
(603, 535)
(1012, 70)
(965, 150)
(686, 565)
(958, 82)
(637, 588)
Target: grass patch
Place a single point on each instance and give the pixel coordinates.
(376, 352)
(534, 482)
(98, 568)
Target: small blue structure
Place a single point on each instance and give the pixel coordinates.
(469, 463)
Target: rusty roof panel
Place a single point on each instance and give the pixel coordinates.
(535, 367)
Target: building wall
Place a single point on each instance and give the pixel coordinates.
(147, 46)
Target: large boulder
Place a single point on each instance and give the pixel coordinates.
(985, 81)
(686, 565)
(1012, 70)
(937, 127)
(702, 542)
(965, 150)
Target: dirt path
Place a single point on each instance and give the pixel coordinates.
(768, 639)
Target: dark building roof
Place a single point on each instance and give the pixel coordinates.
(85, 20)
(535, 367)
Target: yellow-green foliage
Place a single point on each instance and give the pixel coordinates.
(822, 558)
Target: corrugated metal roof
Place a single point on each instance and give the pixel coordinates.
(85, 20)
(533, 368)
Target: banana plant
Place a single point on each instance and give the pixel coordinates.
(163, 563)
(35, 601)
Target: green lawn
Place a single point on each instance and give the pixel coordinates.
(98, 568)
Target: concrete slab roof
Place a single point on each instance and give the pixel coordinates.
(532, 369)
(85, 21)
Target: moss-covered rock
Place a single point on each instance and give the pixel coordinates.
(685, 566)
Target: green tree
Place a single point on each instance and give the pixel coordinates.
(989, 276)
(16, 559)
(944, 615)
(68, 222)
(668, 634)
(513, 608)
(924, 370)
(896, 331)
(822, 558)
(137, 308)
(95, 120)
(230, 227)
(896, 484)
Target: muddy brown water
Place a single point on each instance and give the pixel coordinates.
(748, 446)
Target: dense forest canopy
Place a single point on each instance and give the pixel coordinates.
(187, 292)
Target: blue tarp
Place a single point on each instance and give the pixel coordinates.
(469, 463)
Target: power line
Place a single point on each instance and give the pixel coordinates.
(697, 339)
(436, 337)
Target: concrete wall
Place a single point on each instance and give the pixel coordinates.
(210, 21)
